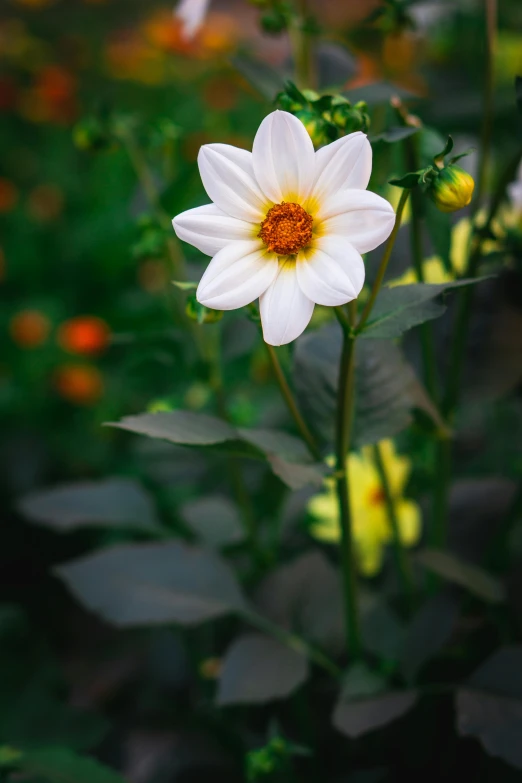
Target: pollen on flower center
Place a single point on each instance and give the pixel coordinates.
(286, 229)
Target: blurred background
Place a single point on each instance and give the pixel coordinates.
(89, 331)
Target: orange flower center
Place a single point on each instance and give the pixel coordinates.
(286, 229)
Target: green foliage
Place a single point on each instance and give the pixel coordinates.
(58, 765)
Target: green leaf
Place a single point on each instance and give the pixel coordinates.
(410, 180)
(518, 91)
(258, 669)
(386, 388)
(355, 718)
(393, 135)
(181, 427)
(113, 502)
(402, 307)
(215, 520)
(428, 632)
(61, 765)
(474, 579)
(266, 80)
(283, 452)
(489, 706)
(185, 286)
(445, 151)
(360, 681)
(382, 631)
(150, 584)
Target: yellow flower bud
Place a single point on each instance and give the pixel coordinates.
(452, 189)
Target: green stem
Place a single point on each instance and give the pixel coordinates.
(302, 47)
(438, 533)
(402, 562)
(426, 332)
(292, 405)
(345, 404)
(487, 113)
(384, 261)
(293, 641)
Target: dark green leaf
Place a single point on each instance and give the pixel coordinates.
(266, 80)
(116, 502)
(61, 765)
(181, 427)
(382, 631)
(149, 584)
(471, 577)
(494, 720)
(489, 706)
(402, 307)
(258, 669)
(409, 180)
(429, 630)
(283, 452)
(392, 135)
(386, 386)
(357, 717)
(360, 681)
(215, 520)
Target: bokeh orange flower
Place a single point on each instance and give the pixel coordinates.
(8, 195)
(85, 334)
(52, 98)
(81, 384)
(29, 328)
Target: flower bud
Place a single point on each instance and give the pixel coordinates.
(350, 118)
(452, 189)
(317, 127)
(200, 313)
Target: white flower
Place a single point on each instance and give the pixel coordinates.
(192, 14)
(515, 190)
(288, 224)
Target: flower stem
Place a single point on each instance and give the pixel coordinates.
(293, 641)
(345, 404)
(384, 261)
(491, 9)
(292, 405)
(402, 562)
(300, 42)
(426, 332)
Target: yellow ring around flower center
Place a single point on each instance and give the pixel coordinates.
(286, 229)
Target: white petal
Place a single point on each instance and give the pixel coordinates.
(362, 217)
(210, 229)
(283, 157)
(331, 272)
(237, 275)
(192, 14)
(228, 178)
(285, 310)
(345, 163)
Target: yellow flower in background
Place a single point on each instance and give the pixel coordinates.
(371, 527)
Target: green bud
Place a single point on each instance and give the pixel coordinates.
(452, 189)
(273, 23)
(316, 126)
(311, 95)
(350, 119)
(287, 103)
(90, 135)
(200, 313)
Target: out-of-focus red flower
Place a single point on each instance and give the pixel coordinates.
(81, 384)
(84, 334)
(8, 93)
(8, 195)
(218, 35)
(129, 56)
(29, 328)
(52, 97)
(45, 203)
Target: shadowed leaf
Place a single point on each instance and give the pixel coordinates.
(357, 717)
(471, 577)
(149, 584)
(61, 765)
(258, 669)
(112, 503)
